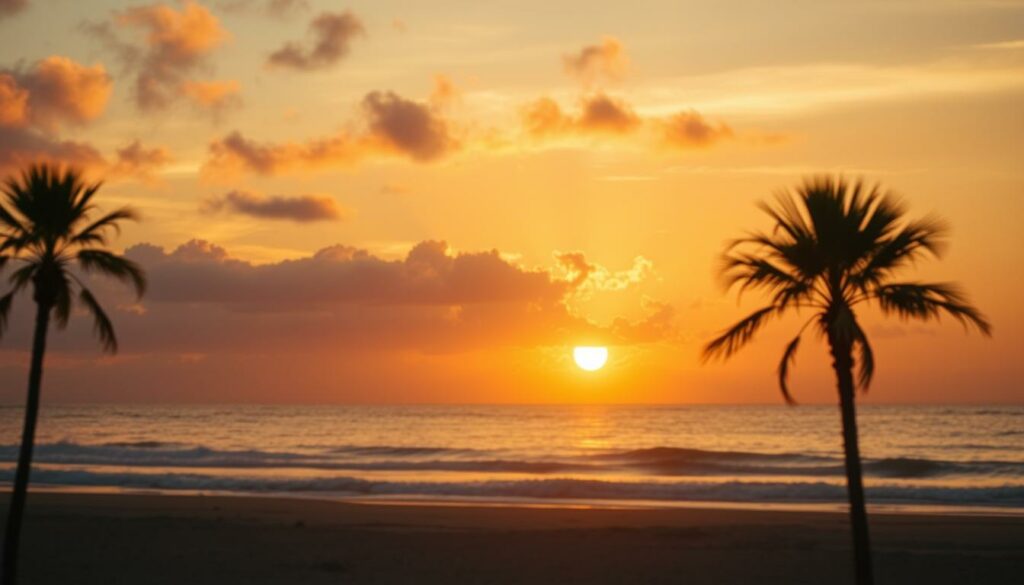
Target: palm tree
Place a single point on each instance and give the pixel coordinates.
(836, 247)
(45, 230)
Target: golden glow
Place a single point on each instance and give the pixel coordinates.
(590, 358)
(613, 173)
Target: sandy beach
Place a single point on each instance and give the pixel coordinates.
(157, 539)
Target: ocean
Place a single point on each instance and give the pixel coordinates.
(951, 457)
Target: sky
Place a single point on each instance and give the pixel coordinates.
(394, 202)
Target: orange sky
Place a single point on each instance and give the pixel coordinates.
(377, 202)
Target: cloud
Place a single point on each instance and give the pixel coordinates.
(174, 44)
(235, 154)
(605, 60)
(13, 102)
(409, 127)
(691, 130)
(604, 114)
(391, 126)
(135, 160)
(303, 208)
(12, 7)
(598, 114)
(430, 274)
(53, 91)
(214, 322)
(331, 36)
(433, 299)
(36, 101)
(215, 96)
(587, 278)
(21, 146)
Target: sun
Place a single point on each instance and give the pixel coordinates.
(590, 358)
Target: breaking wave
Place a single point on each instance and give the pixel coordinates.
(658, 461)
(554, 488)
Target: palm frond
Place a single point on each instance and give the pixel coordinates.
(5, 310)
(102, 326)
(23, 276)
(108, 264)
(929, 301)
(737, 336)
(753, 272)
(788, 358)
(8, 219)
(62, 302)
(94, 232)
(918, 238)
(865, 358)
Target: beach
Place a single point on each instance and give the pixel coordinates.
(87, 538)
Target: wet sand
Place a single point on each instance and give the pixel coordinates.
(160, 539)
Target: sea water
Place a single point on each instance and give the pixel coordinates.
(952, 456)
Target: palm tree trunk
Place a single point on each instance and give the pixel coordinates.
(28, 434)
(843, 366)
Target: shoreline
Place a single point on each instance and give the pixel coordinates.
(156, 539)
(889, 508)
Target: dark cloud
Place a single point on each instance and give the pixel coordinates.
(199, 272)
(303, 208)
(12, 7)
(331, 35)
(410, 127)
(392, 125)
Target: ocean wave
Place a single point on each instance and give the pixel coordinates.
(392, 451)
(151, 455)
(659, 461)
(555, 488)
(139, 444)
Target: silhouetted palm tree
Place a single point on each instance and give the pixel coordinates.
(45, 230)
(836, 246)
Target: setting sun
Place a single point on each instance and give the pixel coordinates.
(590, 358)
